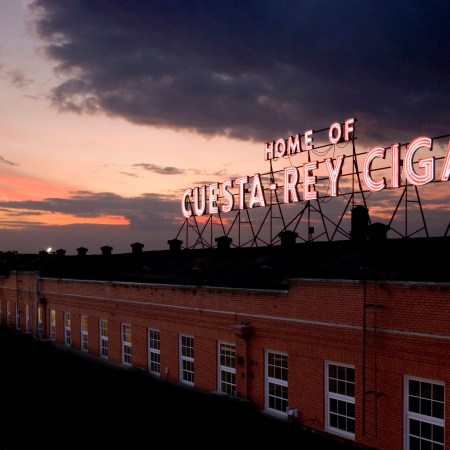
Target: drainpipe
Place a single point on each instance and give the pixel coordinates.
(243, 331)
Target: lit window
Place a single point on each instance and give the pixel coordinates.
(276, 382)
(104, 338)
(340, 399)
(154, 352)
(424, 414)
(84, 333)
(52, 324)
(227, 368)
(187, 359)
(126, 344)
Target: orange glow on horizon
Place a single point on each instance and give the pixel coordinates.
(59, 219)
(16, 188)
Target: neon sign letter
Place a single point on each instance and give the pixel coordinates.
(426, 164)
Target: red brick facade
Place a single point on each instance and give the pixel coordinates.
(388, 332)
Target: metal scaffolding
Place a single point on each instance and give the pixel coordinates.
(325, 218)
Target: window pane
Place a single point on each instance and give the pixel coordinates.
(332, 385)
(414, 388)
(333, 420)
(414, 427)
(351, 425)
(342, 408)
(438, 410)
(414, 443)
(414, 404)
(350, 390)
(438, 434)
(350, 374)
(438, 392)
(425, 390)
(425, 407)
(425, 430)
(351, 410)
(332, 371)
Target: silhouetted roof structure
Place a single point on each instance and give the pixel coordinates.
(412, 259)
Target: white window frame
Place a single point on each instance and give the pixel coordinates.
(40, 322)
(342, 398)
(226, 363)
(154, 351)
(17, 315)
(127, 348)
(276, 382)
(52, 314)
(67, 329)
(104, 352)
(8, 313)
(27, 317)
(84, 333)
(187, 368)
(429, 421)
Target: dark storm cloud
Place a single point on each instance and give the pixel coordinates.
(15, 77)
(128, 174)
(158, 169)
(8, 163)
(18, 78)
(255, 70)
(143, 212)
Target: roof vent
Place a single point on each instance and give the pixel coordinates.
(360, 223)
(174, 245)
(136, 248)
(288, 238)
(82, 251)
(106, 250)
(223, 242)
(378, 231)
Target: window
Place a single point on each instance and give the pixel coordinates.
(27, 317)
(340, 399)
(154, 351)
(187, 359)
(84, 333)
(52, 324)
(227, 368)
(276, 382)
(40, 322)
(425, 407)
(126, 344)
(8, 313)
(104, 338)
(67, 329)
(18, 316)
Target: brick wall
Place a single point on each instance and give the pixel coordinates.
(406, 327)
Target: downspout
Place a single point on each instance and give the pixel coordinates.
(243, 331)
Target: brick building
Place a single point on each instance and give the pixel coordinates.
(347, 338)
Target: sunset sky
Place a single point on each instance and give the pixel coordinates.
(111, 109)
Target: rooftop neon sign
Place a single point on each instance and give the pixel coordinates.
(205, 199)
